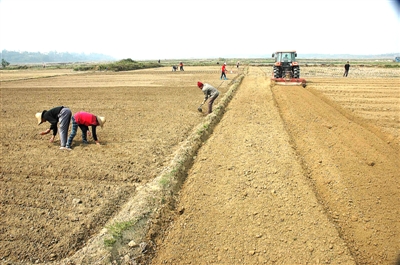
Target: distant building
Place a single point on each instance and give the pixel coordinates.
(397, 59)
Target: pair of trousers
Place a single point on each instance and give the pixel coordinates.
(74, 129)
(211, 102)
(64, 118)
(223, 75)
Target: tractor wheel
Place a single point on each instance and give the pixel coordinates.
(276, 72)
(296, 72)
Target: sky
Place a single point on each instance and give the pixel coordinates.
(184, 29)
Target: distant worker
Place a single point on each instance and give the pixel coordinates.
(210, 93)
(84, 120)
(223, 71)
(346, 69)
(237, 65)
(53, 116)
(159, 61)
(174, 68)
(181, 66)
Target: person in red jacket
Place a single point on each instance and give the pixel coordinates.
(223, 69)
(84, 120)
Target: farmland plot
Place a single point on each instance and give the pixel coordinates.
(13, 75)
(252, 193)
(52, 201)
(346, 131)
(377, 100)
(254, 202)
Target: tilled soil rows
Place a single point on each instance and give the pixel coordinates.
(294, 176)
(289, 175)
(355, 169)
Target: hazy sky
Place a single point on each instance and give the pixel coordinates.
(180, 29)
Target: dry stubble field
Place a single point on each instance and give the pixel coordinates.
(53, 201)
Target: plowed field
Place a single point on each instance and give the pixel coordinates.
(289, 175)
(53, 201)
(307, 178)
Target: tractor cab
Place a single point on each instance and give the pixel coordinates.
(289, 56)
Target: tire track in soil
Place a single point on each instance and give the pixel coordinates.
(354, 169)
(246, 199)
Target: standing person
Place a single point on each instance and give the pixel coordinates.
(58, 114)
(210, 92)
(346, 69)
(223, 69)
(237, 65)
(181, 66)
(84, 120)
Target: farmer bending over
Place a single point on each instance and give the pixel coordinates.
(58, 114)
(210, 92)
(84, 120)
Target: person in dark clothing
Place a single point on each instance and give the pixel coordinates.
(84, 120)
(56, 115)
(346, 69)
(181, 66)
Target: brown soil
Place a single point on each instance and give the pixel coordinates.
(53, 201)
(288, 176)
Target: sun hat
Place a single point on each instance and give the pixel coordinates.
(199, 84)
(101, 120)
(225, 63)
(39, 117)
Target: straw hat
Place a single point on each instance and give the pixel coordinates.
(101, 120)
(39, 117)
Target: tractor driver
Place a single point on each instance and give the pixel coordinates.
(286, 58)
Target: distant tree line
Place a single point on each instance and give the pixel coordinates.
(14, 57)
(122, 65)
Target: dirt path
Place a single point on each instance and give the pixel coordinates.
(247, 199)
